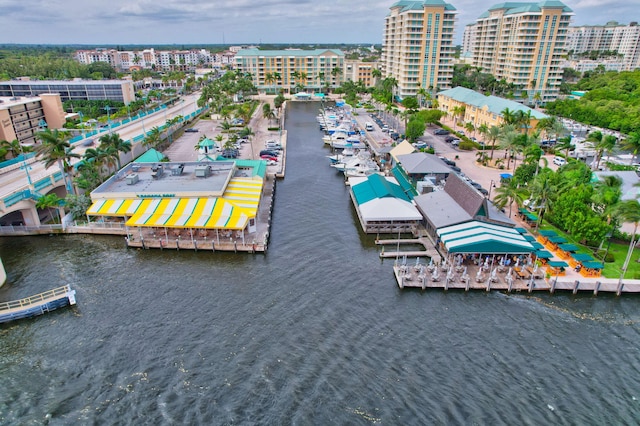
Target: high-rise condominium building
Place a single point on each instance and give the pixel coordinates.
(612, 37)
(523, 43)
(469, 38)
(417, 46)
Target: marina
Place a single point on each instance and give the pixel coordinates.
(315, 329)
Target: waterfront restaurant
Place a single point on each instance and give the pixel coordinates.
(159, 201)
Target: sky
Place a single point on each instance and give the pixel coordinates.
(238, 21)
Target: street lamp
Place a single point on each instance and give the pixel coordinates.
(491, 186)
(108, 108)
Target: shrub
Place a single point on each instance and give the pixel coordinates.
(467, 145)
(273, 129)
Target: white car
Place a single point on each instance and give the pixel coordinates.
(559, 161)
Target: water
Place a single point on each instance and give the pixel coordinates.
(314, 332)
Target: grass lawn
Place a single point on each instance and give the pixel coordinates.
(619, 251)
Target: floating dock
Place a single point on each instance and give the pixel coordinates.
(38, 304)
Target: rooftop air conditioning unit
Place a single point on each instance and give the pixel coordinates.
(132, 178)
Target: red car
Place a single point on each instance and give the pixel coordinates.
(269, 157)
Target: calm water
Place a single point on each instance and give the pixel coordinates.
(315, 332)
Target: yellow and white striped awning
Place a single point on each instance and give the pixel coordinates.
(238, 204)
(244, 192)
(209, 213)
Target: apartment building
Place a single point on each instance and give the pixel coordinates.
(480, 109)
(417, 45)
(22, 117)
(523, 43)
(115, 90)
(469, 38)
(613, 37)
(360, 71)
(274, 70)
(161, 60)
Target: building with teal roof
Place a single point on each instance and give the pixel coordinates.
(523, 43)
(480, 109)
(382, 205)
(292, 70)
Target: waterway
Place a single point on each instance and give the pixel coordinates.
(314, 332)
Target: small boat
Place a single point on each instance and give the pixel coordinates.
(362, 170)
(38, 304)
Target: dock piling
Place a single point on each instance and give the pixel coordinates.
(575, 286)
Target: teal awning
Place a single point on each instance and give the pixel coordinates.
(557, 264)
(558, 240)
(543, 254)
(521, 230)
(593, 265)
(568, 247)
(529, 237)
(583, 257)
(404, 182)
(547, 233)
(536, 245)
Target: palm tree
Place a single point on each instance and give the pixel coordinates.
(376, 74)
(508, 116)
(269, 78)
(508, 193)
(543, 192)
(629, 211)
(565, 143)
(606, 145)
(56, 149)
(50, 202)
(152, 138)
(632, 143)
(120, 146)
(493, 135)
(483, 129)
(508, 138)
(336, 72)
(470, 127)
(458, 112)
(14, 148)
(267, 112)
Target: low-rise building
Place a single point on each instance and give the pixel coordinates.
(22, 117)
(115, 90)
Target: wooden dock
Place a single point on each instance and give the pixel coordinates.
(429, 251)
(38, 304)
(421, 276)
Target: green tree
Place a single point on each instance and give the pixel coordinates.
(120, 146)
(415, 129)
(508, 193)
(629, 211)
(52, 203)
(56, 149)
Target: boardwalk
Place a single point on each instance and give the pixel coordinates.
(434, 276)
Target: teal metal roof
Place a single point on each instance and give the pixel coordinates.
(206, 142)
(287, 53)
(404, 182)
(259, 167)
(377, 186)
(408, 5)
(151, 156)
(524, 7)
(481, 237)
(494, 104)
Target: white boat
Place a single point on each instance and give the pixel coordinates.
(365, 169)
(353, 142)
(363, 158)
(345, 155)
(337, 136)
(3, 274)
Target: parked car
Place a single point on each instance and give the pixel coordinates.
(441, 132)
(455, 142)
(269, 157)
(420, 145)
(455, 169)
(448, 162)
(450, 138)
(269, 152)
(559, 161)
(272, 145)
(191, 130)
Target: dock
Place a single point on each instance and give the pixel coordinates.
(433, 276)
(429, 249)
(37, 304)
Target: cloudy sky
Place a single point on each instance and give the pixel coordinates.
(112, 22)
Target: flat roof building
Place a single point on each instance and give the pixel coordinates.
(115, 90)
(22, 117)
(221, 196)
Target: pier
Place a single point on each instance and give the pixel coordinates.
(443, 277)
(429, 249)
(38, 304)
